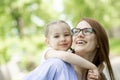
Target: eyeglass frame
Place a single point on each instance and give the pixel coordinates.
(90, 30)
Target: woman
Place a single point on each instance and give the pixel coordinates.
(90, 41)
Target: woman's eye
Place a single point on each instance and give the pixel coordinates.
(76, 31)
(86, 31)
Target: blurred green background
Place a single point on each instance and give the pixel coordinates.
(22, 25)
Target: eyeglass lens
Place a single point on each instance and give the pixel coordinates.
(85, 31)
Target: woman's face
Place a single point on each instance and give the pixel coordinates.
(84, 42)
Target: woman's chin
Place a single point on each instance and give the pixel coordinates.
(79, 49)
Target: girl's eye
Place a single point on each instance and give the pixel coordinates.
(67, 34)
(56, 36)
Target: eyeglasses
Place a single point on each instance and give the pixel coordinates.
(85, 31)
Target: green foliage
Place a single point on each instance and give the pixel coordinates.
(4, 56)
(115, 46)
(105, 12)
(28, 46)
(22, 23)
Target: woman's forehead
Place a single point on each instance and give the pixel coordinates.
(83, 24)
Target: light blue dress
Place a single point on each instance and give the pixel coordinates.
(53, 69)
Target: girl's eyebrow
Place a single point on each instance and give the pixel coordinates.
(56, 33)
(67, 32)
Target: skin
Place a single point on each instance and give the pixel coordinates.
(85, 46)
(59, 37)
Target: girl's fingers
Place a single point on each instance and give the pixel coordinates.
(92, 75)
(90, 71)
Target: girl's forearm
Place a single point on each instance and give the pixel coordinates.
(78, 60)
(71, 58)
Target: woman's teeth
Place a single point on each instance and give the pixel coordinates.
(81, 42)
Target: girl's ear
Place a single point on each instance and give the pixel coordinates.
(47, 41)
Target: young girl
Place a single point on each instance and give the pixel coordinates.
(59, 40)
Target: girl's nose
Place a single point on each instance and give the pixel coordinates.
(62, 38)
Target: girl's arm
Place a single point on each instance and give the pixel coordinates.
(70, 58)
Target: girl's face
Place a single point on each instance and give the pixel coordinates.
(84, 41)
(59, 37)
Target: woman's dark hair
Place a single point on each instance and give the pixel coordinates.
(102, 54)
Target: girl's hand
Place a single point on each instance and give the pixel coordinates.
(93, 75)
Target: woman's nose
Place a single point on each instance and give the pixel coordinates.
(81, 34)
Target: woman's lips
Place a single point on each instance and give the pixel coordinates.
(81, 42)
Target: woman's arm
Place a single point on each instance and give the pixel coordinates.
(70, 58)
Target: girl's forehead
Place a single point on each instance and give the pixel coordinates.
(58, 29)
(60, 26)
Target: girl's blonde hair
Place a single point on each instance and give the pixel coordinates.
(47, 28)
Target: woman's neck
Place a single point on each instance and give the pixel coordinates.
(81, 72)
(89, 56)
